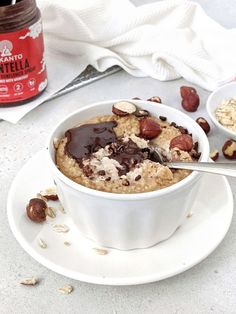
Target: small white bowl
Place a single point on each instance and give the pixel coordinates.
(224, 92)
(127, 221)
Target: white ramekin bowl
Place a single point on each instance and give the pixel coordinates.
(222, 93)
(127, 221)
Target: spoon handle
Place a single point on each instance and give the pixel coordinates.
(226, 169)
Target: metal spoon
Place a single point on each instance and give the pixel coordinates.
(226, 169)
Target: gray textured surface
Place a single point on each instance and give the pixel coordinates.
(209, 287)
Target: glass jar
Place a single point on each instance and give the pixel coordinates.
(23, 75)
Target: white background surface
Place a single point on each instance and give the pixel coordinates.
(209, 287)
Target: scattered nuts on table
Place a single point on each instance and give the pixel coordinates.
(149, 128)
(229, 149)
(214, 155)
(203, 124)
(67, 289)
(190, 98)
(226, 113)
(123, 108)
(183, 142)
(36, 210)
(50, 194)
(29, 281)
(156, 99)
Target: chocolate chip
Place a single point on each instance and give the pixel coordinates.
(182, 130)
(101, 173)
(162, 118)
(87, 171)
(195, 146)
(174, 124)
(108, 179)
(137, 178)
(196, 155)
(125, 182)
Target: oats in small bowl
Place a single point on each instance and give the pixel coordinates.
(221, 107)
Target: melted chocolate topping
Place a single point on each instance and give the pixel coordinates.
(89, 138)
(127, 154)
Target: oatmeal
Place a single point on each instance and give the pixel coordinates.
(116, 153)
(226, 113)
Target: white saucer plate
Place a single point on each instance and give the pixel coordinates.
(191, 243)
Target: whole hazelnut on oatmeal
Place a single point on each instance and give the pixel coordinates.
(123, 108)
(149, 128)
(36, 210)
(183, 142)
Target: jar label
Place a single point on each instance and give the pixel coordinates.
(22, 66)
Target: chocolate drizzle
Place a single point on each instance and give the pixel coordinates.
(88, 139)
(128, 155)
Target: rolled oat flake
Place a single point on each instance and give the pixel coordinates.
(23, 75)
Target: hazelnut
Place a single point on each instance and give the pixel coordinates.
(50, 194)
(185, 91)
(155, 99)
(183, 142)
(190, 98)
(149, 128)
(141, 113)
(229, 149)
(203, 124)
(214, 155)
(36, 210)
(51, 197)
(123, 108)
(191, 103)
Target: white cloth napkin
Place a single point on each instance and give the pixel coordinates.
(165, 40)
